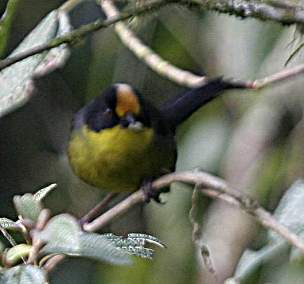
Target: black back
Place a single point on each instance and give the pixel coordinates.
(177, 110)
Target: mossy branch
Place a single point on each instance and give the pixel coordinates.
(284, 12)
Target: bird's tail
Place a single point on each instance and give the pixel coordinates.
(179, 109)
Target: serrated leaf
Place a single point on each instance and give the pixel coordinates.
(16, 253)
(252, 260)
(16, 79)
(23, 274)
(100, 248)
(8, 236)
(27, 206)
(62, 231)
(8, 224)
(92, 246)
(146, 239)
(57, 56)
(290, 210)
(63, 235)
(42, 193)
(134, 244)
(289, 213)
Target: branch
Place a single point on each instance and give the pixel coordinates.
(147, 55)
(278, 77)
(175, 74)
(211, 186)
(153, 60)
(286, 12)
(84, 31)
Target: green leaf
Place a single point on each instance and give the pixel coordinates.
(134, 244)
(63, 235)
(92, 246)
(6, 23)
(15, 80)
(27, 206)
(100, 248)
(290, 210)
(8, 224)
(42, 193)
(8, 236)
(16, 253)
(23, 274)
(57, 56)
(289, 213)
(252, 260)
(144, 238)
(62, 231)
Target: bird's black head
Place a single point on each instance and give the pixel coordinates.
(124, 101)
(118, 104)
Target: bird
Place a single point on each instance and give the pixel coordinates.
(121, 141)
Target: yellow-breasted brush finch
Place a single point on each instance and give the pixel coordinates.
(120, 140)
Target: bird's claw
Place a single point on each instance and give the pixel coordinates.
(150, 193)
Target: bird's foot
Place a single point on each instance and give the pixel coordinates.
(150, 193)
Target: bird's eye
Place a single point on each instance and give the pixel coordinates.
(108, 111)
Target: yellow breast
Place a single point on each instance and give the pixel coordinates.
(115, 159)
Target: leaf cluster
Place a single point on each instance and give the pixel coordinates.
(45, 237)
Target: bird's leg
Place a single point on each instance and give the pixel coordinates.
(150, 193)
(98, 209)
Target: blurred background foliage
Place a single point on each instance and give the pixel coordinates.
(252, 139)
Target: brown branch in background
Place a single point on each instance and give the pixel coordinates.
(83, 31)
(208, 185)
(211, 186)
(175, 74)
(51, 264)
(97, 210)
(278, 77)
(144, 53)
(147, 55)
(284, 12)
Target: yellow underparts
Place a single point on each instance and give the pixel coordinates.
(115, 159)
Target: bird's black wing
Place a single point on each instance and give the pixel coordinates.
(180, 108)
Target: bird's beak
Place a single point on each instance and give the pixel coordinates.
(130, 122)
(129, 117)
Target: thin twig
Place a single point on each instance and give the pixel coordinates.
(147, 55)
(278, 77)
(280, 12)
(53, 262)
(216, 188)
(97, 210)
(153, 60)
(84, 31)
(115, 212)
(175, 74)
